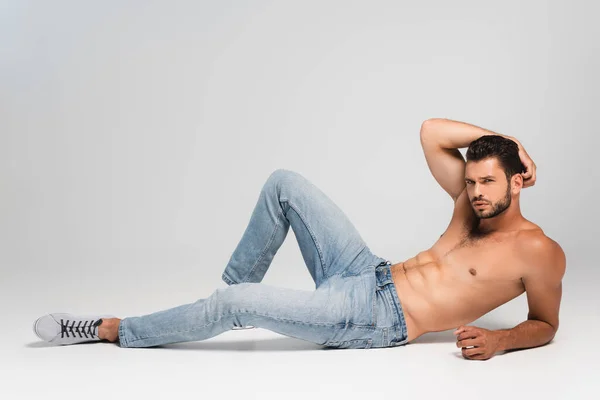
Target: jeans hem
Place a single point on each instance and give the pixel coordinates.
(121, 331)
(227, 280)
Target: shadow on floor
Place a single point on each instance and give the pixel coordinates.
(275, 344)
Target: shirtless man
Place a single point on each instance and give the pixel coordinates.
(488, 255)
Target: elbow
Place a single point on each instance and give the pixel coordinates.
(426, 129)
(429, 125)
(426, 125)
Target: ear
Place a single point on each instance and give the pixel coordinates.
(516, 183)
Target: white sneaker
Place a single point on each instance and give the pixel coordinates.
(63, 328)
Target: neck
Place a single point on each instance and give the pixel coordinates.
(506, 221)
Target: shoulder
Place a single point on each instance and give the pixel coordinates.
(533, 241)
(540, 253)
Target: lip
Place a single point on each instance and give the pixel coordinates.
(480, 204)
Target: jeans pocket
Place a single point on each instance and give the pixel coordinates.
(350, 344)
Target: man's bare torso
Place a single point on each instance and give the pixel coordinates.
(460, 278)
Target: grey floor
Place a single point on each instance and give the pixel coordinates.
(256, 363)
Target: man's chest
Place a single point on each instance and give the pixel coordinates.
(488, 260)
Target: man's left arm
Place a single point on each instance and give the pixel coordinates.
(543, 286)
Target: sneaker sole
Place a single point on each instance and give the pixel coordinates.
(35, 328)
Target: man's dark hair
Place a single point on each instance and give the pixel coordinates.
(504, 150)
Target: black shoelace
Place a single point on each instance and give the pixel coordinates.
(79, 329)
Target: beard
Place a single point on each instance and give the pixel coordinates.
(496, 208)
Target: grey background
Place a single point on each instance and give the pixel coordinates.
(135, 137)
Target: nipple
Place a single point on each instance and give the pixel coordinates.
(473, 271)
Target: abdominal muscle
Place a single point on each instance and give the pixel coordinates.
(437, 296)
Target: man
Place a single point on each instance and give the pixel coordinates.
(488, 255)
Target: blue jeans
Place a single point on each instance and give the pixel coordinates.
(354, 304)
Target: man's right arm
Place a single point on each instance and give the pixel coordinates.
(441, 138)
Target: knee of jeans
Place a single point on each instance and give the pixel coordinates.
(281, 177)
(232, 298)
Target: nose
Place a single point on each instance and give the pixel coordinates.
(476, 191)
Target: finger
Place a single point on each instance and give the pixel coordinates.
(531, 180)
(468, 335)
(465, 353)
(465, 327)
(527, 181)
(468, 343)
(473, 351)
(479, 357)
(459, 330)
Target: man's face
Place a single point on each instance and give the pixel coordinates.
(486, 182)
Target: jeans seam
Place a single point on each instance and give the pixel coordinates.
(374, 306)
(264, 250)
(312, 235)
(398, 323)
(236, 312)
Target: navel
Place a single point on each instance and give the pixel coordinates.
(473, 271)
